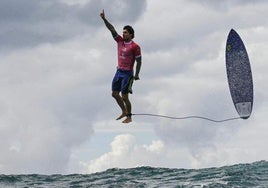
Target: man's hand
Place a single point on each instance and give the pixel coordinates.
(102, 15)
(136, 77)
(108, 25)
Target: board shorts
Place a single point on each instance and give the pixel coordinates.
(123, 81)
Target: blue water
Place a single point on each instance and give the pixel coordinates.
(240, 175)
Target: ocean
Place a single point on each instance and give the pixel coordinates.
(239, 175)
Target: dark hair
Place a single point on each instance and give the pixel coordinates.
(130, 30)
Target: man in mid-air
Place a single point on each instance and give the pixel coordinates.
(128, 51)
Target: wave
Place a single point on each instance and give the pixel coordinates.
(239, 175)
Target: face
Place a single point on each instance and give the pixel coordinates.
(126, 35)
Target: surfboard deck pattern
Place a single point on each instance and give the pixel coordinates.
(239, 74)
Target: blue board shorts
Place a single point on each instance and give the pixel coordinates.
(122, 81)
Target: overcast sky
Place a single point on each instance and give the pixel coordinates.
(57, 63)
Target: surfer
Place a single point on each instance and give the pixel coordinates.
(128, 51)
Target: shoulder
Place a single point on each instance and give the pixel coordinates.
(134, 44)
(118, 38)
(136, 48)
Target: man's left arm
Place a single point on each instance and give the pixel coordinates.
(138, 68)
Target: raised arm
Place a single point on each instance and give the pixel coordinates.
(108, 24)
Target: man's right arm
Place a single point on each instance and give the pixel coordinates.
(108, 24)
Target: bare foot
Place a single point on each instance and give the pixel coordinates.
(127, 120)
(122, 115)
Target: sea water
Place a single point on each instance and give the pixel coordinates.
(239, 175)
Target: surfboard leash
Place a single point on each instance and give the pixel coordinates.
(187, 117)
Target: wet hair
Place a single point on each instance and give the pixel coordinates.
(130, 30)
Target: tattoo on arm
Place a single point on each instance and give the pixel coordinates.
(110, 27)
(138, 66)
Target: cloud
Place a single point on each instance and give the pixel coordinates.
(126, 153)
(47, 106)
(28, 23)
(229, 3)
(188, 47)
(199, 146)
(51, 72)
(57, 62)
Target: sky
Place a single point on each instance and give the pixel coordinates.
(57, 63)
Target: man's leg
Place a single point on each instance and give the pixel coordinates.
(121, 104)
(128, 108)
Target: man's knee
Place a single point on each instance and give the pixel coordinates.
(125, 97)
(115, 94)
